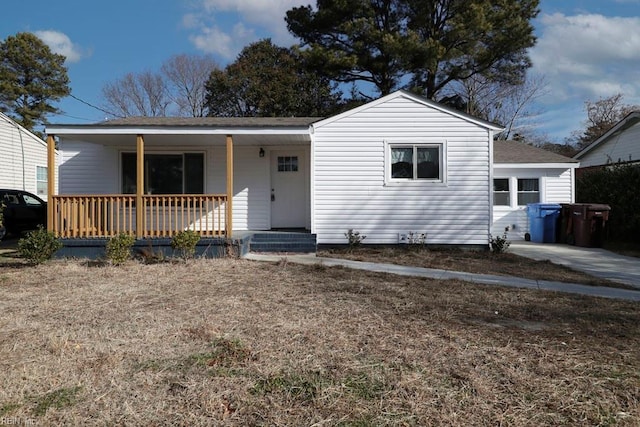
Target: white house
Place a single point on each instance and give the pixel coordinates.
(398, 166)
(23, 159)
(525, 174)
(621, 144)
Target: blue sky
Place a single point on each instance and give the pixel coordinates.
(586, 49)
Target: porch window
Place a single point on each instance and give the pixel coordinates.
(416, 162)
(528, 191)
(165, 173)
(501, 196)
(287, 163)
(41, 180)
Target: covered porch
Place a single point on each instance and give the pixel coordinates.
(169, 175)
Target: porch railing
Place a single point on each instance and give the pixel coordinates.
(163, 215)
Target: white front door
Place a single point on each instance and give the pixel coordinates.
(288, 189)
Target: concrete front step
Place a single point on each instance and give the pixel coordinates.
(283, 242)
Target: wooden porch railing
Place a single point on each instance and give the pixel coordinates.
(163, 215)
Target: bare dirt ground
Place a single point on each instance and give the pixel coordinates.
(235, 342)
(482, 262)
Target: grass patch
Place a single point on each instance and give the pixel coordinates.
(480, 262)
(234, 342)
(58, 399)
(7, 408)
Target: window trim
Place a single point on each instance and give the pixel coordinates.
(508, 192)
(168, 153)
(440, 144)
(46, 181)
(518, 192)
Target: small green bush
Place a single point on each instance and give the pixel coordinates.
(119, 248)
(38, 246)
(500, 244)
(354, 238)
(185, 242)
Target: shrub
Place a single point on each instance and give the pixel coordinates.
(185, 242)
(354, 238)
(616, 185)
(38, 246)
(118, 248)
(500, 244)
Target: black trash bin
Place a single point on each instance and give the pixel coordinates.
(542, 221)
(589, 224)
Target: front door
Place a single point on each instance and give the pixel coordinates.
(288, 189)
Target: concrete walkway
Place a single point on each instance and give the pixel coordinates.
(594, 261)
(485, 279)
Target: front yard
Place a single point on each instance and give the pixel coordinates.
(235, 342)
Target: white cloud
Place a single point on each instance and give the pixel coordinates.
(587, 56)
(215, 41)
(61, 44)
(254, 19)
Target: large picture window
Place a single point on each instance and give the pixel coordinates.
(416, 162)
(165, 173)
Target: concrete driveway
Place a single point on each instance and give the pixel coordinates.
(595, 261)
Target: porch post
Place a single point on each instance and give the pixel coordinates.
(228, 226)
(51, 179)
(140, 208)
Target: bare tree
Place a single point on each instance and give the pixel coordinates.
(602, 115)
(509, 105)
(186, 77)
(141, 94)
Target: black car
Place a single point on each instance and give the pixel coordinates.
(22, 211)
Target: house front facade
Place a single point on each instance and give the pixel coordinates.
(620, 144)
(23, 159)
(396, 167)
(524, 174)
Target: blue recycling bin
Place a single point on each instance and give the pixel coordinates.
(543, 218)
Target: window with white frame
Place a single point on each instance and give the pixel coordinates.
(501, 193)
(41, 180)
(528, 191)
(416, 161)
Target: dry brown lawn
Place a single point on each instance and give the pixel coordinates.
(482, 262)
(235, 342)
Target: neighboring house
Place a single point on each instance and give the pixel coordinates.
(23, 159)
(620, 144)
(394, 166)
(401, 164)
(525, 174)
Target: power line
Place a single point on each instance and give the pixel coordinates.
(97, 108)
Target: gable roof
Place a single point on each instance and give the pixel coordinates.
(519, 152)
(22, 129)
(415, 98)
(630, 120)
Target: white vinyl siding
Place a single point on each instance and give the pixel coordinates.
(96, 169)
(623, 147)
(556, 186)
(350, 191)
(21, 152)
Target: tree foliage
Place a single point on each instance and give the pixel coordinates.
(269, 81)
(617, 186)
(430, 42)
(602, 115)
(32, 78)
